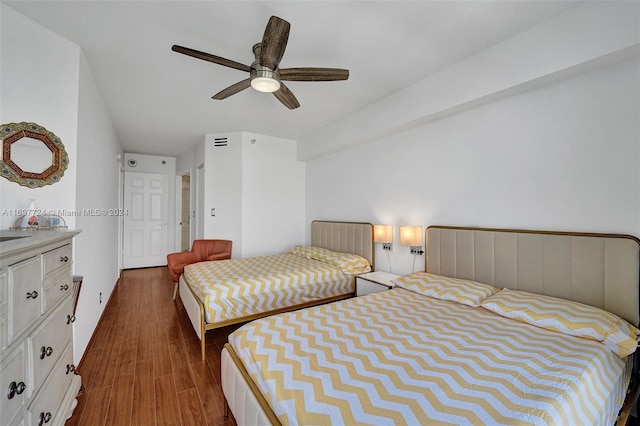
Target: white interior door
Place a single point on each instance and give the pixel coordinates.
(146, 225)
(199, 210)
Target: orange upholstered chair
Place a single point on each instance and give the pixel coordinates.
(202, 250)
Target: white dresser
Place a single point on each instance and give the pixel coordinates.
(37, 375)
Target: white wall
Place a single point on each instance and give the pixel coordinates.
(584, 37)
(62, 97)
(273, 199)
(223, 190)
(562, 157)
(27, 94)
(540, 131)
(98, 187)
(256, 186)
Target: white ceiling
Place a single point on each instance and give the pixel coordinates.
(160, 101)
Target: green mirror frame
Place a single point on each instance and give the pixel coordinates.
(12, 133)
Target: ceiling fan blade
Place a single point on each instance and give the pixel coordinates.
(274, 42)
(211, 58)
(313, 74)
(287, 98)
(233, 89)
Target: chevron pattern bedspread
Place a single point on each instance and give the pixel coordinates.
(397, 357)
(238, 288)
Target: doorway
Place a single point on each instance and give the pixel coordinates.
(185, 214)
(146, 225)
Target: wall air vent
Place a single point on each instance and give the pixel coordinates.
(220, 142)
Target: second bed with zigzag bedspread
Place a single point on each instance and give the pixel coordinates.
(399, 357)
(240, 288)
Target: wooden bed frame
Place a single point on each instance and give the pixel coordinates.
(601, 270)
(344, 237)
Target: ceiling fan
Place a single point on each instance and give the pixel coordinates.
(264, 73)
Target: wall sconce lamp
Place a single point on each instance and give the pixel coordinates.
(412, 236)
(383, 234)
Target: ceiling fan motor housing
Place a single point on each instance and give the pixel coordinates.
(263, 79)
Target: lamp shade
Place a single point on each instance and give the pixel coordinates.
(383, 233)
(411, 235)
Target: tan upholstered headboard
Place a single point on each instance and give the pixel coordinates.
(345, 237)
(601, 270)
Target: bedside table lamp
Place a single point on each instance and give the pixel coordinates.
(412, 236)
(384, 234)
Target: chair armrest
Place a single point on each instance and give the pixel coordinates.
(219, 256)
(176, 262)
(182, 257)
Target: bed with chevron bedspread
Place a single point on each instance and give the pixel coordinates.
(221, 293)
(241, 288)
(398, 357)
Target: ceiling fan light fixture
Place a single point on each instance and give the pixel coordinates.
(265, 73)
(265, 84)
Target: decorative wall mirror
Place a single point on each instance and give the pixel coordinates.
(32, 156)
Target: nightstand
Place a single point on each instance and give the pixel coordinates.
(373, 282)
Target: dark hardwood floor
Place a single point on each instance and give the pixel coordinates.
(143, 366)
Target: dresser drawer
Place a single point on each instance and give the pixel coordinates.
(13, 383)
(3, 290)
(24, 296)
(47, 403)
(56, 286)
(3, 333)
(47, 342)
(55, 259)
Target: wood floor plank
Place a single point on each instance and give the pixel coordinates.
(190, 408)
(180, 366)
(144, 404)
(89, 366)
(126, 362)
(167, 411)
(110, 359)
(121, 402)
(214, 361)
(96, 406)
(210, 392)
(192, 347)
(75, 419)
(143, 366)
(161, 358)
(100, 336)
(131, 330)
(145, 342)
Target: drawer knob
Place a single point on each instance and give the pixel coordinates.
(64, 287)
(15, 389)
(70, 368)
(70, 319)
(64, 258)
(32, 295)
(44, 418)
(45, 351)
